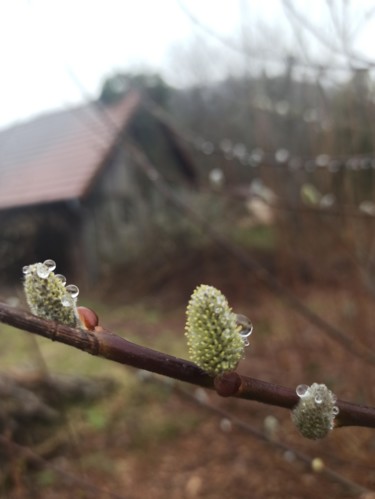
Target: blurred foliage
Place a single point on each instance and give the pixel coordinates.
(152, 84)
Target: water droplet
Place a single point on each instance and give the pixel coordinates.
(302, 390)
(50, 264)
(335, 410)
(327, 200)
(322, 160)
(245, 325)
(226, 425)
(73, 290)
(42, 271)
(256, 157)
(367, 207)
(216, 177)
(26, 269)
(66, 301)
(239, 151)
(246, 332)
(246, 343)
(271, 427)
(353, 163)
(201, 395)
(282, 155)
(61, 278)
(318, 399)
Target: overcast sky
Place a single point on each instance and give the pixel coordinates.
(46, 44)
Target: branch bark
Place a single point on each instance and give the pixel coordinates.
(103, 343)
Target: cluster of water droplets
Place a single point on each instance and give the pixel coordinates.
(321, 396)
(256, 157)
(71, 295)
(44, 270)
(232, 150)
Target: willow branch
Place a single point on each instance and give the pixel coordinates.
(103, 343)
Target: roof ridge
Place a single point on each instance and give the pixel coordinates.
(60, 146)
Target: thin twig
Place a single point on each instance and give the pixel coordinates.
(32, 456)
(108, 345)
(251, 55)
(303, 20)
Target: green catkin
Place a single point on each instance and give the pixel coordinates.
(315, 412)
(47, 295)
(214, 339)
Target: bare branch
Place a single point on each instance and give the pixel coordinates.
(336, 49)
(106, 344)
(251, 55)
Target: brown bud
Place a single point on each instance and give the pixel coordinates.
(227, 384)
(88, 318)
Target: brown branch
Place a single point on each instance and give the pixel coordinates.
(106, 344)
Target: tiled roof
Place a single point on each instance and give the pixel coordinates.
(56, 156)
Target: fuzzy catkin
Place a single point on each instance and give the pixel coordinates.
(214, 339)
(44, 296)
(315, 412)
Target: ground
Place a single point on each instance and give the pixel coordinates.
(151, 438)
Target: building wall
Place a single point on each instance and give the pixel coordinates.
(34, 234)
(119, 222)
(122, 216)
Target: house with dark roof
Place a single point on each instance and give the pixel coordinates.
(70, 191)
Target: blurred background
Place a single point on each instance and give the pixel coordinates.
(147, 148)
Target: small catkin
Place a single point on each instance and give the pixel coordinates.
(47, 295)
(315, 412)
